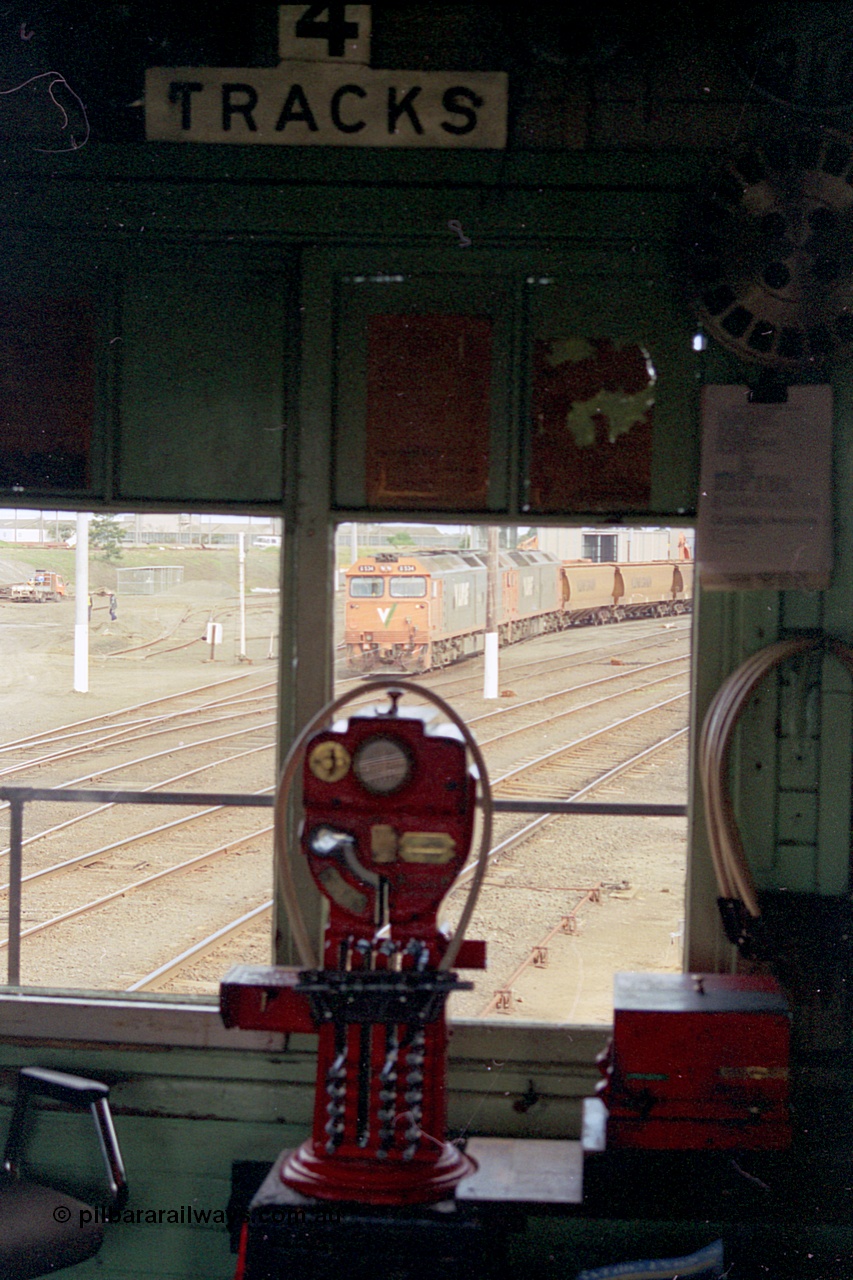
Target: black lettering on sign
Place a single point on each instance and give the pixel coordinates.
(335, 108)
(335, 31)
(183, 90)
(403, 107)
(296, 98)
(244, 109)
(453, 102)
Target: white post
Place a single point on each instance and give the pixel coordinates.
(490, 669)
(241, 555)
(81, 605)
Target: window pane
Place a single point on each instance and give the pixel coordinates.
(428, 411)
(616, 691)
(47, 393)
(591, 440)
(366, 587)
(405, 588)
(179, 694)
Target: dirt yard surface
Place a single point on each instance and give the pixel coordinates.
(637, 923)
(37, 639)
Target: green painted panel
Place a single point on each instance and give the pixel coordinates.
(797, 817)
(569, 294)
(58, 322)
(202, 406)
(795, 868)
(798, 763)
(178, 192)
(838, 600)
(624, 304)
(832, 873)
(802, 610)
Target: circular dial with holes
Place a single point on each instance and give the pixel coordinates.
(382, 765)
(771, 251)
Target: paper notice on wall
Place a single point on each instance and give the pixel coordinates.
(765, 511)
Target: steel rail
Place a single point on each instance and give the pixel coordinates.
(584, 706)
(574, 688)
(166, 782)
(155, 755)
(504, 992)
(155, 979)
(581, 658)
(561, 693)
(18, 796)
(521, 670)
(138, 724)
(124, 891)
(167, 635)
(550, 809)
(120, 738)
(582, 741)
(50, 734)
(131, 797)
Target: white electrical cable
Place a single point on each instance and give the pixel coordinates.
(289, 769)
(733, 875)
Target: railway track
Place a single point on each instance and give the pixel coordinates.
(573, 769)
(539, 893)
(223, 733)
(182, 898)
(574, 648)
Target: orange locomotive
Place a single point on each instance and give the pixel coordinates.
(413, 611)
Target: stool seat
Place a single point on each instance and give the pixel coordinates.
(43, 1230)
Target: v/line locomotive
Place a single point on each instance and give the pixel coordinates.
(411, 612)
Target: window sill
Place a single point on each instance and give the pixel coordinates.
(106, 1019)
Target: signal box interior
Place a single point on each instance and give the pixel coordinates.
(215, 298)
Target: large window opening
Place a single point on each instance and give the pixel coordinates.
(592, 704)
(181, 625)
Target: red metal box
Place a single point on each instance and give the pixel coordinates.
(697, 1061)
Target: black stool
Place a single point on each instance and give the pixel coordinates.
(41, 1229)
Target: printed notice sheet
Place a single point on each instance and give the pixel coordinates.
(765, 514)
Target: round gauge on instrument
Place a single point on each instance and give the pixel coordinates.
(382, 765)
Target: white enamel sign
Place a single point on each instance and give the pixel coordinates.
(323, 94)
(320, 104)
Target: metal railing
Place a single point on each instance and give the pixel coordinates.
(18, 797)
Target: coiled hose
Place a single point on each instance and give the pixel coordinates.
(733, 875)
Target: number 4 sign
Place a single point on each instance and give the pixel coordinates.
(324, 33)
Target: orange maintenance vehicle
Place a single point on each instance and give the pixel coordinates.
(43, 585)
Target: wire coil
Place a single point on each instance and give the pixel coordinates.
(734, 878)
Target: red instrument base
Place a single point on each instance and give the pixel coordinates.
(370, 1181)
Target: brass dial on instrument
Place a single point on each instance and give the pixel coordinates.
(329, 761)
(382, 765)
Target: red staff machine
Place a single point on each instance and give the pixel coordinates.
(389, 803)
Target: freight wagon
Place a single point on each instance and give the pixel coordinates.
(410, 612)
